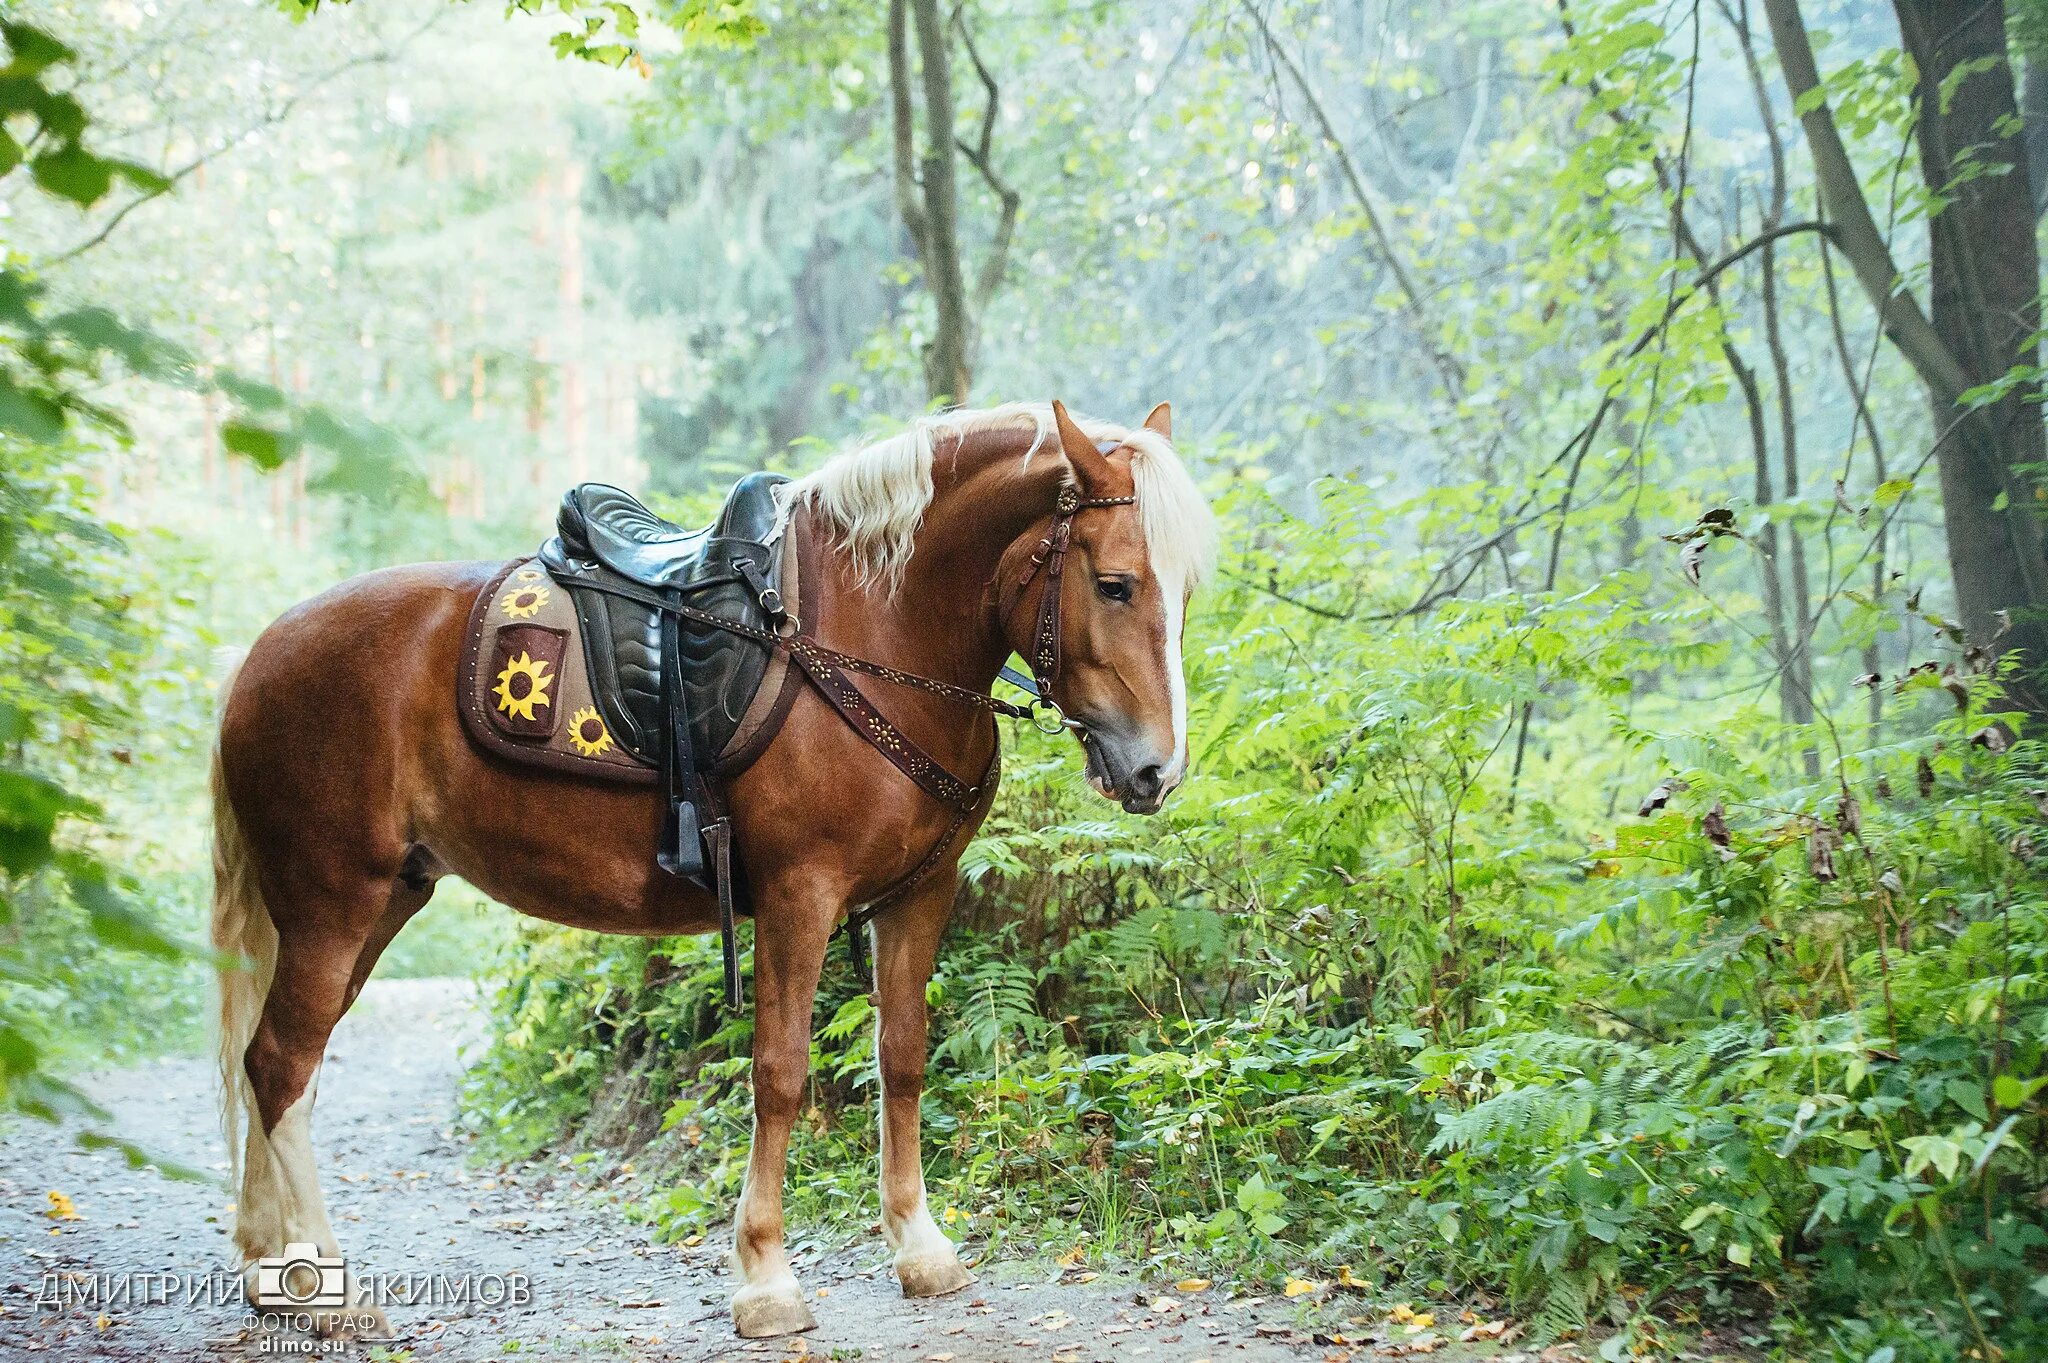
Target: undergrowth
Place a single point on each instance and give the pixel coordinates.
(1632, 1030)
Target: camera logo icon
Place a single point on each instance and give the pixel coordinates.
(300, 1278)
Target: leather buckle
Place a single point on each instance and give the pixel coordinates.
(771, 601)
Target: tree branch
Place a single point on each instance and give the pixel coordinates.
(269, 120)
(1447, 365)
(996, 263)
(1855, 230)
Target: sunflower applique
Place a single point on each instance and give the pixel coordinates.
(587, 733)
(523, 685)
(524, 603)
(527, 575)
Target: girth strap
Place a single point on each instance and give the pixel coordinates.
(686, 835)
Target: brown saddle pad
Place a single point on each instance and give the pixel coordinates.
(526, 688)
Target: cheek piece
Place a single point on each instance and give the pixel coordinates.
(1051, 557)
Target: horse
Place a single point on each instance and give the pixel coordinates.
(344, 786)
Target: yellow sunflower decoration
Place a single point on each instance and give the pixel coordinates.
(522, 685)
(525, 603)
(527, 575)
(587, 733)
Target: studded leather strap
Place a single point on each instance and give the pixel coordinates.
(1051, 556)
(859, 713)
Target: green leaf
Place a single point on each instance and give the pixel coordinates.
(36, 417)
(114, 917)
(30, 807)
(261, 446)
(2011, 1091)
(71, 172)
(30, 50)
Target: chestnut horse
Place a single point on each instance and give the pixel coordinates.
(345, 785)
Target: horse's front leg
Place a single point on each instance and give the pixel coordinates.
(790, 936)
(906, 945)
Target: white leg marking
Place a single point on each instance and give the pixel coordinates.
(298, 1174)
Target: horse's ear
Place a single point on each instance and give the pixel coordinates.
(1160, 423)
(1091, 469)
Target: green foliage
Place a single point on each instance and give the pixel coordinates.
(1398, 981)
(1355, 999)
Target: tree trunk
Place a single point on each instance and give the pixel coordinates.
(1985, 284)
(1983, 255)
(926, 190)
(2034, 106)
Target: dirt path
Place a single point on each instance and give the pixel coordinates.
(404, 1203)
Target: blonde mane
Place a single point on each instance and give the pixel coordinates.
(875, 496)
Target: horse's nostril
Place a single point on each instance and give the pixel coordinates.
(1146, 781)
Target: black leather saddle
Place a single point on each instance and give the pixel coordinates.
(606, 542)
(673, 689)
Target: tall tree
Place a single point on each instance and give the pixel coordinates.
(927, 192)
(1985, 271)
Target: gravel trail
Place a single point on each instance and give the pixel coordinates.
(405, 1200)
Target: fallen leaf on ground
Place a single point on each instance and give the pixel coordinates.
(1300, 1287)
(1192, 1285)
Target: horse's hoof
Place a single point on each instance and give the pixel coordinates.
(770, 1309)
(932, 1275)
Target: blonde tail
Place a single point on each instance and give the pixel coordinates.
(246, 939)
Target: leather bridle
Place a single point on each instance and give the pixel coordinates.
(1051, 556)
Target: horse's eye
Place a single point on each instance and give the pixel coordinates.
(1114, 588)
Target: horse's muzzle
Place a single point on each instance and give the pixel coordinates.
(1125, 772)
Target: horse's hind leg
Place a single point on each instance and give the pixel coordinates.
(322, 958)
(906, 945)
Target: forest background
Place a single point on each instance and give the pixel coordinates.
(1608, 880)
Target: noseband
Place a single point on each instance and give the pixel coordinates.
(1051, 556)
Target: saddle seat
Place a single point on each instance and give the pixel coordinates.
(618, 560)
(602, 524)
